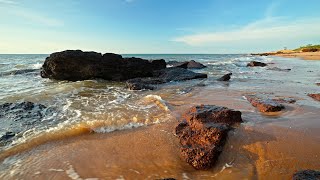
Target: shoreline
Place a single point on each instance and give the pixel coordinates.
(259, 147)
(301, 55)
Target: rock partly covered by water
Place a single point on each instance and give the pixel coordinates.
(187, 64)
(279, 69)
(226, 77)
(264, 104)
(163, 76)
(315, 96)
(306, 175)
(203, 131)
(16, 118)
(256, 63)
(78, 65)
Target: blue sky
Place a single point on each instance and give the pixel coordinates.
(157, 26)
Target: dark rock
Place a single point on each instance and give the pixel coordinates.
(226, 77)
(163, 76)
(177, 74)
(20, 117)
(318, 84)
(203, 131)
(306, 175)
(143, 83)
(279, 69)
(195, 65)
(78, 65)
(256, 63)
(187, 64)
(315, 96)
(264, 105)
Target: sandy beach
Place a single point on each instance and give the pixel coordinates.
(105, 131)
(302, 55)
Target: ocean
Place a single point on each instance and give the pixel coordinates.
(101, 107)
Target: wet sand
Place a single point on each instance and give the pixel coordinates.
(302, 55)
(265, 146)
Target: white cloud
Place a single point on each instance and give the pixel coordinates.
(269, 29)
(8, 2)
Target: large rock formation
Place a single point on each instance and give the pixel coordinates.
(203, 131)
(78, 65)
(163, 76)
(256, 63)
(264, 104)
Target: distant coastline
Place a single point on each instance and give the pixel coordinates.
(309, 52)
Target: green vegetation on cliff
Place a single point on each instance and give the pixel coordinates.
(308, 48)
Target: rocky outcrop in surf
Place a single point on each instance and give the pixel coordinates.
(279, 69)
(163, 76)
(315, 96)
(203, 131)
(187, 64)
(264, 104)
(256, 63)
(306, 175)
(226, 77)
(17, 118)
(76, 65)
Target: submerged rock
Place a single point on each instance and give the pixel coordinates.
(226, 77)
(20, 117)
(306, 175)
(256, 63)
(163, 76)
(187, 64)
(78, 65)
(264, 105)
(315, 96)
(279, 69)
(203, 131)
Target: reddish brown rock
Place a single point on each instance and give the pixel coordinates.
(203, 131)
(198, 116)
(306, 175)
(256, 63)
(264, 105)
(318, 84)
(315, 96)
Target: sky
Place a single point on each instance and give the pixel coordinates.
(157, 26)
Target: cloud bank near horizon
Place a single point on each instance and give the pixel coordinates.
(268, 29)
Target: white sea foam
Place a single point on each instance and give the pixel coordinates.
(108, 129)
(157, 100)
(37, 66)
